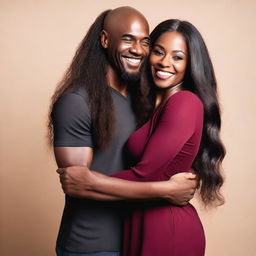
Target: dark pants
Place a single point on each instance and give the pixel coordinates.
(61, 252)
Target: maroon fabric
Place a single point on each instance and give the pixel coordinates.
(165, 145)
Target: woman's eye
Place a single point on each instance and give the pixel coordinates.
(177, 58)
(158, 52)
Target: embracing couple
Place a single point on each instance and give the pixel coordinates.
(135, 124)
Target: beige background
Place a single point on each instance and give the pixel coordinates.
(38, 40)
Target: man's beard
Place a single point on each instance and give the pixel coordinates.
(130, 77)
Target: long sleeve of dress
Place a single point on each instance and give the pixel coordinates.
(176, 122)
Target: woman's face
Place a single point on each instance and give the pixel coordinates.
(168, 60)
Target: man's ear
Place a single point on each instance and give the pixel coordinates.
(104, 38)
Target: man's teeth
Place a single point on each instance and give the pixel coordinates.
(162, 73)
(135, 61)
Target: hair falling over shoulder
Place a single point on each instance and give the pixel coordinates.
(200, 79)
(88, 70)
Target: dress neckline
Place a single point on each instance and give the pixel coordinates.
(162, 104)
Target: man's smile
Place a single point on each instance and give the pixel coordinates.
(132, 61)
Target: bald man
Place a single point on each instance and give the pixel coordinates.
(92, 118)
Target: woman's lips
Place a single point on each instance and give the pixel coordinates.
(163, 74)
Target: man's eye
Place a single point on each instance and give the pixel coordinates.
(127, 39)
(145, 42)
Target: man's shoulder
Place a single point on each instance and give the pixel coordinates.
(71, 105)
(76, 98)
(82, 93)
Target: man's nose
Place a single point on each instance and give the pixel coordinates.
(136, 49)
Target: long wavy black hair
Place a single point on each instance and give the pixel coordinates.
(200, 79)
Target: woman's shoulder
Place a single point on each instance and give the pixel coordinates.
(185, 97)
(183, 103)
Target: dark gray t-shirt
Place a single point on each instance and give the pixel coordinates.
(87, 225)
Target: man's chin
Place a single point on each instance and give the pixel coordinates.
(130, 77)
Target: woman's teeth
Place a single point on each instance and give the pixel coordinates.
(163, 74)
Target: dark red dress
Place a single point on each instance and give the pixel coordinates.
(164, 146)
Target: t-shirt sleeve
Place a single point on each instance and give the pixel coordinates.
(71, 122)
(179, 119)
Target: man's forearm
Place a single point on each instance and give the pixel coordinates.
(97, 196)
(128, 190)
(79, 181)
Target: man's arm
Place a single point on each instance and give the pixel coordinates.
(68, 156)
(73, 144)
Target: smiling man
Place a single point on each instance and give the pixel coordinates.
(92, 118)
(126, 38)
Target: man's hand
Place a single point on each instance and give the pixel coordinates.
(182, 187)
(76, 181)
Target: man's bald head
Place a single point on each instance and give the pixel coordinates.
(123, 15)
